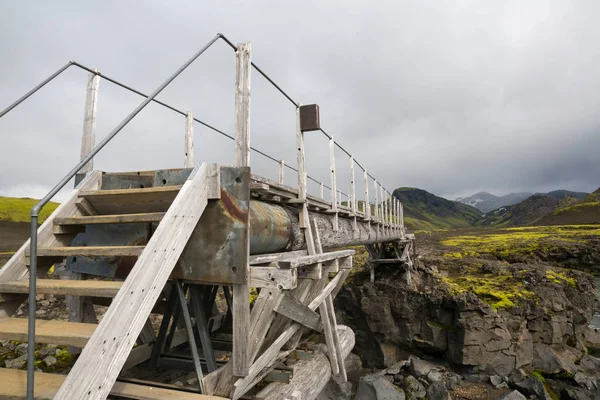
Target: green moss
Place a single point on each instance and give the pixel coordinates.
(538, 374)
(560, 277)
(514, 244)
(253, 295)
(503, 291)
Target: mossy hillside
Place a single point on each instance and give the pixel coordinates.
(519, 244)
(18, 209)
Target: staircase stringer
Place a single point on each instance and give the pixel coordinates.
(16, 269)
(101, 361)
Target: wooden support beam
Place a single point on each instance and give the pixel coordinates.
(88, 140)
(111, 343)
(85, 207)
(273, 277)
(292, 308)
(241, 293)
(314, 259)
(321, 192)
(328, 329)
(310, 376)
(377, 215)
(261, 366)
(188, 160)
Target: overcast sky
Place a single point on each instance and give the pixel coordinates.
(453, 97)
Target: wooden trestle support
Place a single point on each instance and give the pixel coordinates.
(170, 243)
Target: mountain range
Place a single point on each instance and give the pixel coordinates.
(423, 210)
(487, 202)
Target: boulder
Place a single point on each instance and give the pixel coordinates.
(585, 381)
(413, 388)
(17, 363)
(550, 360)
(588, 363)
(434, 376)
(437, 391)
(49, 361)
(377, 387)
(514, 395)
(421, 368)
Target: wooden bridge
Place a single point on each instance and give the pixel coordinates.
(166, 244)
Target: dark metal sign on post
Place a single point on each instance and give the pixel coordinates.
(309, 118)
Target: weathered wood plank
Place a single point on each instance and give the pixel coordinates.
(89, 251)
(111, 219)
(241, 293)
(290, 307)
(46, 386)
(328, 329)
(112, 341)
(61, 333)
(273, 277)
(313, 259)
(260, 366)
(65, 287)
(310, 376)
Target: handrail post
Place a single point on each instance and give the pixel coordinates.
(188, 161)
(281, 168)
(88, 140)
(241, 293)
(367, 206)
(334, 193)
(353, 193)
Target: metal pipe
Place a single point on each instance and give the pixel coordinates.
(35, 89)
(35, 210)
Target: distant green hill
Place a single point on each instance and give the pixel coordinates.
(423, 210)
(17, 209)
(586, 211)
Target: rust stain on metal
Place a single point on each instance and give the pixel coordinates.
(231, 207)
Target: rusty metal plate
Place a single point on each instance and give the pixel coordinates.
(309, 118)
(217, 251)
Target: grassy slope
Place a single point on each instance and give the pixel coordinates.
(585, 212)
(17, 209)
(423, 210)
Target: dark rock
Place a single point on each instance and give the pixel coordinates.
(495, 380)
(49, 361)
(585, 381)
(396, 368)
(17, 363)
(437, 391)
(413, 387)
(589, 364)
(335, 389)
(514, 395)
(376, 387)
(421, 368)
(550, 360)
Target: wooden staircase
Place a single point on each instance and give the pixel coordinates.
(166, 214)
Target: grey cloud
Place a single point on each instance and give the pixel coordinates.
(452, 97)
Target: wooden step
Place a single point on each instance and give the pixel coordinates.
(88, 251)
(14, 383)
(110, 219)
(64, 287)
(130, 201)
(61, 333)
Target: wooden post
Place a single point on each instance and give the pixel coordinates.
(242, 104)
(367, 207)
(281, 168)
(321, 191)
(80, 309)
(383, 219)
(302, 175)
(376, 216)
(189, 141)
(88, 141)
(353, 192)
(333, 186)
(241, 293)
